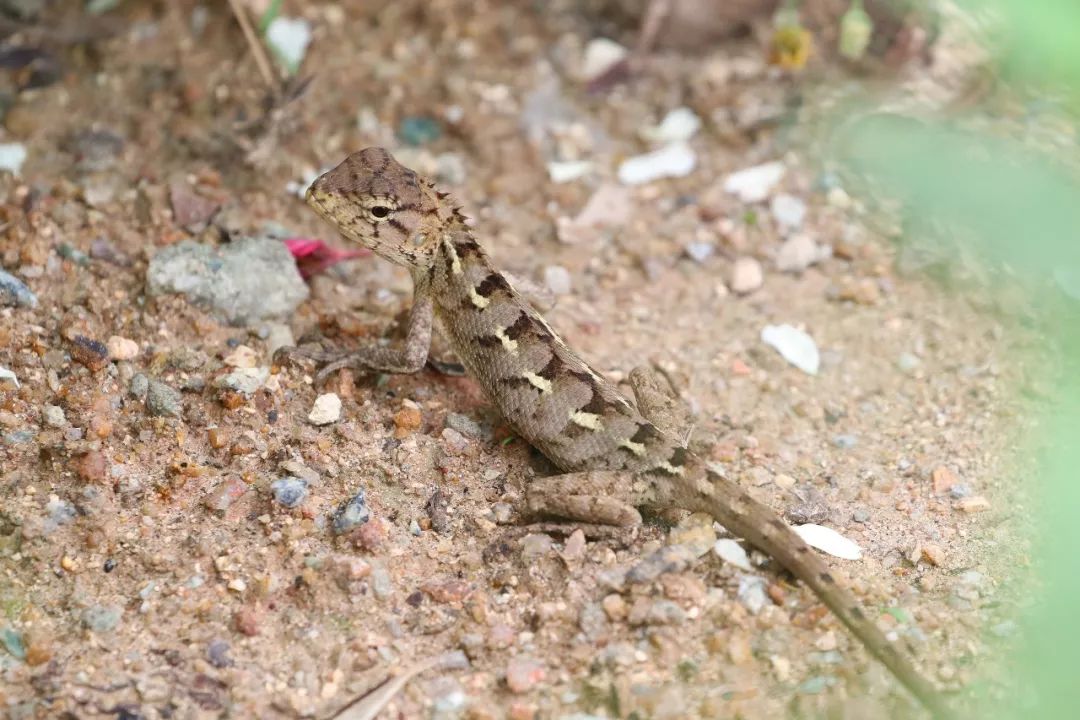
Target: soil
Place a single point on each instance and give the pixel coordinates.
(149, 565)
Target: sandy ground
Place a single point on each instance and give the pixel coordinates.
(150, 569)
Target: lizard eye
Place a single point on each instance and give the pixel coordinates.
(380, 211)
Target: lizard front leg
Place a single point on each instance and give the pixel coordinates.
(404, 359)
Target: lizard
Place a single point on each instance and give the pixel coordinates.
(615, 456)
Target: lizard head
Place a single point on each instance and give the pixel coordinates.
(374, 200)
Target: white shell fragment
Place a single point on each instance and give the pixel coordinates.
(732, 553)
(679, 125)
(327, 409)
(829, 541)
(562, 172)
(794, 345)
(675, 160)
(754, 184)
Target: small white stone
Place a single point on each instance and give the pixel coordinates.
(6, 374)
(327, 409)
(794, 345)
(53, 416)
(797, 253)
(732, 553)
(121, 348)
(242, 356)
(746, 276)
(289, 38)
(756, 183)
(788, 210)
(564, 172)
(679, 125)
(675, 160)
(828, 540)
(557, 278)
(600, 55)
(12, 157)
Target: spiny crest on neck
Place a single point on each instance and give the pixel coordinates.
(374, 200)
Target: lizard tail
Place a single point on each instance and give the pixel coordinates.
(744, 516)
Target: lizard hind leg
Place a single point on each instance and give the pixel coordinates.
(605, 497)
(658, 403)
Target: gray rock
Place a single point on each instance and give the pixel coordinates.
(466, 426)
(14, 292)
(289, 491)
(381, 584)
(53, 416)
(102, 618)
(139, 386)
(217, 653)
(249, 280)
(352, 513)
(751, 593)
(162, 400)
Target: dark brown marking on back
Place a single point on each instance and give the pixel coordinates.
(549, 371)
(678, 456)
(519, 327)
(826, 578)
(489, 341)
(645, 432)
(491, 283)
(467, 247)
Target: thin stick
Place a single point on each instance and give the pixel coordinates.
(265, 69)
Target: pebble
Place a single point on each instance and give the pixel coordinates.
(326, 409)
(61, 512)
(860, 515)
(53, 416)
(599, 56)
(446, 590)
(557, 278)
(794, 345)
(933, 554)
(217, 653)
(419, 130)
(751, 593)
(754, 184)
(829, 541)
(90, 353)
(91, 467)
(371, 536)
(13, 643)
(289, 491)
(381, 584)
(731, 552)
(102, 618)
(121, 348)
(407, 420)
(523, 674)
(242, 356)
(679, 125)
(907, 362)
(243, 380)
(699, 252)
(225, 494)
(12, 157)
(289, 39)
(454, 442)
(568, 171)
(746, 276)
(649, 611)
(246, 281)
(845, 442)
(675, 160)
(190, 210)
(139, 386)
(536, 545)
(246, 621)
(614, 607)
(13, 292)
(465, 425)
(797, 253)
(789, 211)
(162, 400)
(6, 374)
(352, 513)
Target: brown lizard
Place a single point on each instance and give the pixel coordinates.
(615, 456)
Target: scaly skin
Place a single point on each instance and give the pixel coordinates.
(614, 455)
